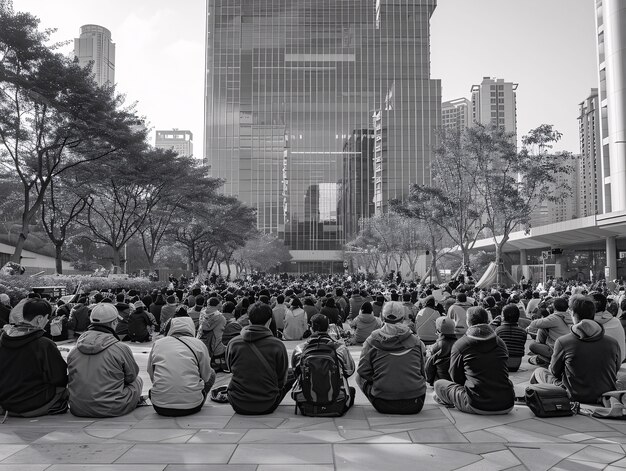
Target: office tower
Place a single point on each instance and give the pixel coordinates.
(95, 45)
(289, 81)
(611, 31)
(180, 141)
(455, 114)
(590, 200)
(494, 103)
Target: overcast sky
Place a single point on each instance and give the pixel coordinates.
(547, 46)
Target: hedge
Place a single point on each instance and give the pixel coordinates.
(18, 286)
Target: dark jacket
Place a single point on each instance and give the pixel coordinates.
(514, 338)
(4, 315)
(253, 387)
(356, 301)
(79, 318)
(586, 361)
(332, 313)
(32, 368)
(392, 360)
(123, 314)
(138, 323)
(438, 363)
(478, 361)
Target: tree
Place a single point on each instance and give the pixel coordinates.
(512, 185)
(262, 252)
(53, 116)
(453, 203)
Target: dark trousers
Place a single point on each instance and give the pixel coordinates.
(389, 406)
(291, 379)
(167, 412)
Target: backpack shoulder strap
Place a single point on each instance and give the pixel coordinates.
(192, 352)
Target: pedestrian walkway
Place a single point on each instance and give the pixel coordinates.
(217, 439)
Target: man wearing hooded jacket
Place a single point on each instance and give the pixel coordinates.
(478, 368)
(391, 369)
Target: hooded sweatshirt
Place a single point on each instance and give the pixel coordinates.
(295, 324)
(557, 325)
(178, 377)
(356, 302)
(210, 331)
(438, 363)
(392, 360)
(363, 325)
(253, 387)
(425, 324)
(458, 313)
(612, 328)
(123, 314)
(32, 368)
(102, 375)
(586, 361)
(478, 362)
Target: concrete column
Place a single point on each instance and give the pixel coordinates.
(611, 257)
(523, 257)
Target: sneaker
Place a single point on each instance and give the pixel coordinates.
(143, 402)
(441, 403)
(538, 361)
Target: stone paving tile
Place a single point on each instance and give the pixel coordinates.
(162, 435)
(539, 457)
(401, 437)
(481, 436)
(218, 436)
(448, 434)
(75, 436)
(576, 465)
(182, 454)
(282, 454)
(599, 454)
(211, 467)
(244, 421)
(291, 436)
(12, 438)
(24, 467)
(469, 422)
(474, 448)
(291, 467)
(511, 433)
(495, 461)
(53, 453)
(378, 457)
(8, 450)
(106, 467)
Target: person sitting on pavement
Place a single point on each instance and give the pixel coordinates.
(611, 324)
(232, 328)
(330, 310)
(585, 362)
(210, 331)
(139, 322)
(458, 313)
(279, 313)
(295, 321)
(425, 321)
(344, 394)
(259, 364)
(478, 368)
(391, 368)
(513, 336)
(549, 329)
(180, 370)
(79, 317)
(103, 374)
(195, 311)
(365, 323)
(34, 375)
(168, 311)
(438, 360)
(123, 312)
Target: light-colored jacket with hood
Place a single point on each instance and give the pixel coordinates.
(556, 324)
(392, 360)
(210, 331)
(425, 324)
(458, 313)
(178, 377)
(612, 328)
(103, 375)
(295, 324)
(363, 325)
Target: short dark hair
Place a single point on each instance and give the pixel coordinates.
(295, 302)
(199, 301)
(560, 304)
(461, 297)
(280, 299)
(120, 298)
(582, 307)
(259, 313)
(477, 315)
(36, 307)
(599, 300)
(212, 302)
(510, 313)
(228, 307)
(319, 323)
(366, 308)
(330, 302)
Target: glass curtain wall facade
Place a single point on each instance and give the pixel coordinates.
(299, 92)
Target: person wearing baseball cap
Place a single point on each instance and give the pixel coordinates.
(391, 369)
(34, 377)
(103, 375)
(438, 362)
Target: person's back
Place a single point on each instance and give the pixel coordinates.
(279, 312)
(513, 335)
(295, 321)
(613, 328)
(478, 368)
(365, 323)
(179, 367)
(34, 375)
(168, 311)
(438, 361)
(259, 365)
(103, 375)
(138, 323)
(322, 367)
(123, 312)
(211, 329)
(355, 303)
(458, 313)
(79, 318)
(391, 368)
(331, 311)
(425, 321)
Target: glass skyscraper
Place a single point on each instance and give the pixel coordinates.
(318, 112)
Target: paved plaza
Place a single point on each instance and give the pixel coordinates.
(218, 439)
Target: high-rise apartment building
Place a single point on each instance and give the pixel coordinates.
(589, 164)
(456, 114)
(94, 45)
(494, 102)
(288, 82)
(180, 141)
(611, 34)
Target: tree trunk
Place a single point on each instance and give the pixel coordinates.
(228, 272)
(58, 258)
(499, 264)
(116, 260)
(19, 246)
